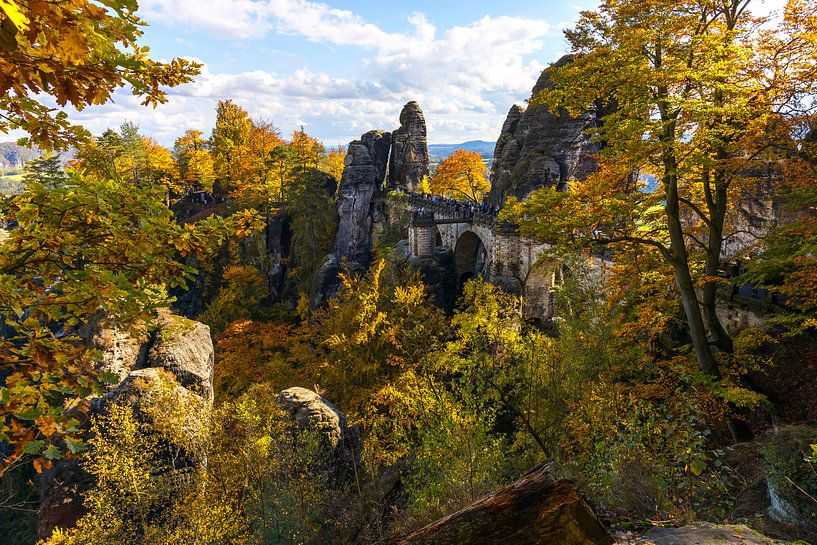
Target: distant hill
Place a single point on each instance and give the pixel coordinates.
(15, 157)
(441, 151)
(438, 152)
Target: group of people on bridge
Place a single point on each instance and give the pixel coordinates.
(460, 208)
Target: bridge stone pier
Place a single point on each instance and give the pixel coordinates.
(482, 246)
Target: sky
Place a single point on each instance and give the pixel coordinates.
(340, 68)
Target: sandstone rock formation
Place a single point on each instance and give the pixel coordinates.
(122, 351)
(537, 148)
(408, 164)
(707, 534)
(533, 510)
(277, 244)
(363, 176)
(178, 346)
(184, 348)
(439, 276)
(312, 412)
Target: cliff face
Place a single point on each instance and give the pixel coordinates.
(403, 157)
(363, 176)
(537, 148)
(408, 164)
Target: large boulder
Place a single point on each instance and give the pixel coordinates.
(532, 511)
(184, 348)
(706, 534)
(537, 148)
(173, 343)
(122, 350)
(791, 481)
(409, 153)
(310, 411)
(177, 348)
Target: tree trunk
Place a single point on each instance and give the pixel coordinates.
(683, 278)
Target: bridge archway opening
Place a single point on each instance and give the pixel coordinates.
(470, 258)
(438, 237)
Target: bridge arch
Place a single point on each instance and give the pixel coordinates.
(438, 237)
(470, 257)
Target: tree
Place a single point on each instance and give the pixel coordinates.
(256, 176)
(130, 157)
(193, 161)
(682, 93)
(462, 175)
(177, 471)
(79, 53)
(379, 324)
(230, 134)
(333, 164)
(47, 170)
(314, 220)
(252, 352)
(281, 162)
(307, 151)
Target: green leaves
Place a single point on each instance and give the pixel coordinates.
(83, 249)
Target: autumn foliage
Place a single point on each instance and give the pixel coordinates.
(462, 176)
(79, 52)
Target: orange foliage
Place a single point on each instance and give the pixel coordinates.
(257, 352)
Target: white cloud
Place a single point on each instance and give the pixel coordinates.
(465, 77)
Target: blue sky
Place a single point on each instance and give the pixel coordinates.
(343, 67)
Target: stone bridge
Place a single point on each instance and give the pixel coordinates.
(482, 246)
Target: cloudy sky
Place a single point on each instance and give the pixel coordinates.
(343, 67)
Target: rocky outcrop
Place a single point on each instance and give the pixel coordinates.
(363, 176)
(439, 276)
(122, 351)
(791, 482)
(409, 153)
(706, 534)
(177, 348)
(537, 148)
(184, 348)
(533, 510)
(312, 412)
(278, 242)
(175, 344)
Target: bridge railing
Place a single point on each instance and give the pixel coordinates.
(449, 209)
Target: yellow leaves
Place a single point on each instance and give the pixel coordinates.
(334, 162)
(46, 425)
(462, 176)
(77, 52)
(74, 48)
(15, 13)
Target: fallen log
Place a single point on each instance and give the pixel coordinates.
(534, 510)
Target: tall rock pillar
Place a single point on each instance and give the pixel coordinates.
(409, 155)
(363, 176)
